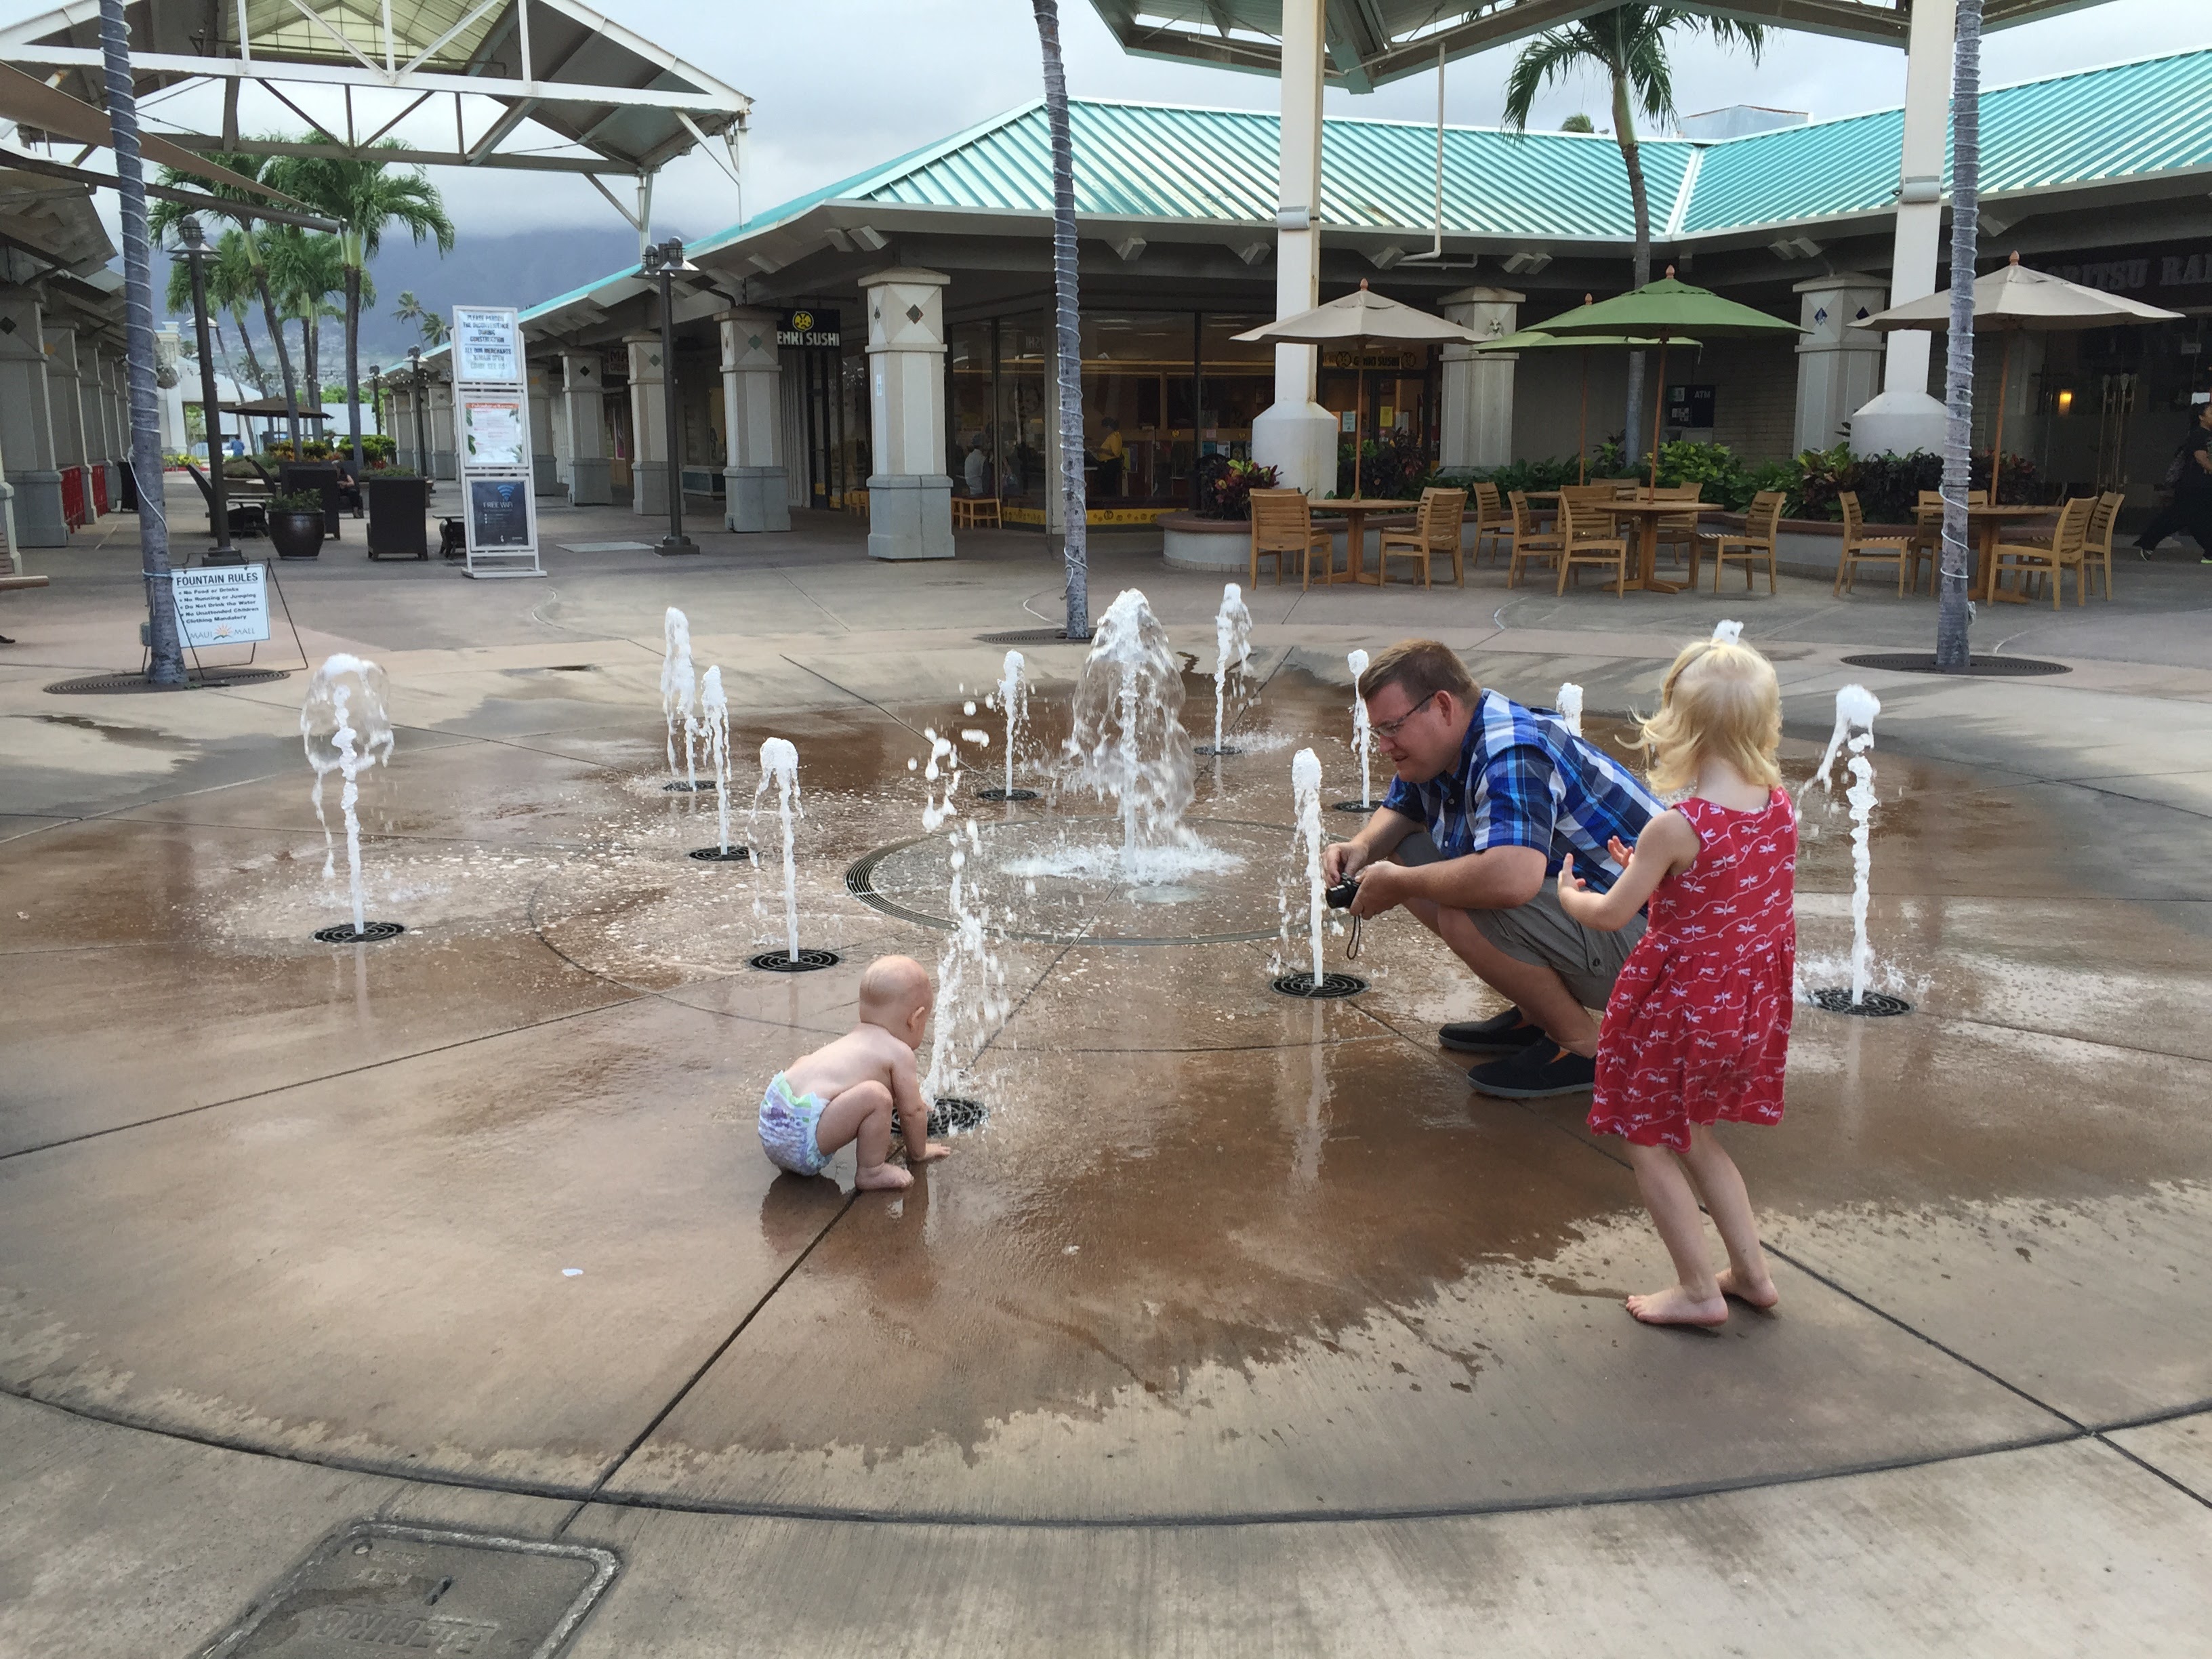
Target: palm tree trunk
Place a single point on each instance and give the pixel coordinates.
(275, 327)
(1068, 326)
(165, 660)
(311, 331)
(1952, 617)
(352, 360)
(1624, 134)
(253, 369)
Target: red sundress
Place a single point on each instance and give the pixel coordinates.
(1698, 1026)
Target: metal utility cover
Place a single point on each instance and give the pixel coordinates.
(411, 1589)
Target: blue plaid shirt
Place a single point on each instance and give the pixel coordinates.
(1525, 781)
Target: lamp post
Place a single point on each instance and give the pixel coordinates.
(422, 442)
(375, 401)
(197, 254)
(666, 260)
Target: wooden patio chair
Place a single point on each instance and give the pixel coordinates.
(1529, 542)
(1592, 539)
(1492, 518)
(1762, 523)
(1859, 547)
(1927, 538)
(1435, 535)
(1680, 530)
(2103, 520)
(976, 513)
(1282, 523)
(2065, 551)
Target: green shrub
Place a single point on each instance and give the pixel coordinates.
(1720, 477)
(296, 501)
(378, 450)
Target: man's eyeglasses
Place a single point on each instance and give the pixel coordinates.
(1389, 728)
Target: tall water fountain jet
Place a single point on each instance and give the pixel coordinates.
(346, 725)
(1856, 708)
(679, 696)
(1570, 706)
(1305, 791)
(1363, 738)
(779, 761)
(1728, 633)
(971, 998)
(714, 727)
(1232, 653)
(1011, 697)
(1128, 739)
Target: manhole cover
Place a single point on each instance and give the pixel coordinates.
(1987, 668)
(782, 962)
(688, 786)
(1332, 985)
(343, 934)
(206, 679)
(1836, 999)
(1030, 636)
(1006, 794)
(1362, 807)
(721, 854)
(955, 1115)
(377, 1587)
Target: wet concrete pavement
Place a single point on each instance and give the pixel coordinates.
(1243, 1326)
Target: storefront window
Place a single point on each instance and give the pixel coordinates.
(1239, 381)
(971, 406)
(1024, 407)
(1397, 409)
(1137, 425)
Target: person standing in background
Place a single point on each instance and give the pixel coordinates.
(2191, 476)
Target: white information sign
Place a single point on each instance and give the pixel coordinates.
(225, 604)
(495, 432)
(484, 346)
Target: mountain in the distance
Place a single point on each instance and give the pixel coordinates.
(518, 269)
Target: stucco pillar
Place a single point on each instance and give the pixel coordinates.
(64, 395)
(1477, 425)
(439, 394)
(399, 408)
(582, 445)
(1838, 367)
(27, 437)
(1905, 417)
(545, 476)
(909, 494)
(753, 486)
(1295, 435)
(648, 427)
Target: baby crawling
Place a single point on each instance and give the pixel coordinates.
(846, 1091)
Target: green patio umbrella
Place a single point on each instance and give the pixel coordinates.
(1666, 310)
(1536, 339)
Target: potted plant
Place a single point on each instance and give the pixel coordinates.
(399, 508)
(295, 523)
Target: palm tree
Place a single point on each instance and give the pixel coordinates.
(412, 310)
(255, 239)
(1069, 325)
(364, 195)
(308, 270)
(1954, 615)
(1628, 45)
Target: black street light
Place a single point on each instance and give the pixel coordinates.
(666, 260)
(422, 442)
(376, 401)
(196, 253)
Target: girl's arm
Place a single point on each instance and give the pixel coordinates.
(1667, 846)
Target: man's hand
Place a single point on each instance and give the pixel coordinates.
(1340, 859)
(1383, 887)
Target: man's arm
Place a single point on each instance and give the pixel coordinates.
(1377, 838)
(1499, 879)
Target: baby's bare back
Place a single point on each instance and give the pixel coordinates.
(867, 1053)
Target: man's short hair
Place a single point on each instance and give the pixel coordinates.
(1419, 668)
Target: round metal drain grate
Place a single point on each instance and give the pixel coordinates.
(721, 854)
(344, 934)
(1331, 986)
(687, 787)
(1836, 999)
(1362, 807)
(1007, 794)
(206, 679)
(1030, 636)
(1979, 668)
(782, 962)
(1209, 749)
(956, 1115)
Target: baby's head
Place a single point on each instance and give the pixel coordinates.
(895, 995)
(1720, 701)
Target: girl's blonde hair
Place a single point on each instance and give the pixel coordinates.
(1720, 700)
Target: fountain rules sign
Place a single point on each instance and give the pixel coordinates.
(491, 395)
(228, 604)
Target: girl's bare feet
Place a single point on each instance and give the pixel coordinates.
(1676, 1306)
(1760, 1295)
(885, 1178)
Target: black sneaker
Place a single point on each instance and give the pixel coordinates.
(1508, 1030)
(1533, 1073)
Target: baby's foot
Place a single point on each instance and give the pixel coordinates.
(1676, 1306)
(884, 1178)
(1757, 1293)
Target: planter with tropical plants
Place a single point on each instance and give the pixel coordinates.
(295, 523)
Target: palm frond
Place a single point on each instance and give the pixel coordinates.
(1548, 58)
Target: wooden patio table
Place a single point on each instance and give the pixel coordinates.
(1356, 511)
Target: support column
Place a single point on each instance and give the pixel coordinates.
(1905, 417)
(440, 396)
(545, 475)
(1477, 424)
(26, 435)
(648, 427)
(65, 394)
(753, 488)
(909, 494)
(1838, 367)
(1295, 435)
(582, 445)
(400, 404)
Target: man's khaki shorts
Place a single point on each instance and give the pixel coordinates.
(1541, 934)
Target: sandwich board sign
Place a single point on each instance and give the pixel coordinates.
(222, 605)
(491, 407)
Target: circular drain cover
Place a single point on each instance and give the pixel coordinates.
(344, 934)
(1332, 985)
(687, 787)
(782, 962)
(1030, 636)
(1362, 807)
(1989, 668)
(721, 854)
(207, 679)
(1211, 749)
(955, 1115)
(1836, 999)
(1006, 794)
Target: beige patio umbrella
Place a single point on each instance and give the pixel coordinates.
(2015, 300)
(1361, 318)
